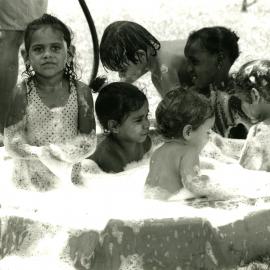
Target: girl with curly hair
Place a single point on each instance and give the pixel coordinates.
(50, 107)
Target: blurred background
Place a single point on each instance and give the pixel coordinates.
(167, 20)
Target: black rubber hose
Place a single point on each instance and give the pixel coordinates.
(93, 32)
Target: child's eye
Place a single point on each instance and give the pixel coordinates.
(38, 49)
(56, 48)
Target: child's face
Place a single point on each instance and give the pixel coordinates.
(202, 65)
(47, 52)
(135, 127)
(200, 136)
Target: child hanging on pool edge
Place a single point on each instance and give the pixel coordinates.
(128, 48)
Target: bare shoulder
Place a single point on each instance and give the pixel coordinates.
(169, 151)
(177, 46)
(108, 157)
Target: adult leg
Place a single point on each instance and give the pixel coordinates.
(10, 42)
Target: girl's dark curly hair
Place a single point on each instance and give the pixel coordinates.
(116, 100)
(55, 23)
(120, 42)
(253, 74)
(216, 39)
(181, 107)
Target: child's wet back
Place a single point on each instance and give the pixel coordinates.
(184, 118)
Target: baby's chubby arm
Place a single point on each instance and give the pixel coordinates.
(198, 183)
(189, 170)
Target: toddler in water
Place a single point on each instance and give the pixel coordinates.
(129, 49)
(253, 88)
(211, 51)
(52, 113)
(122, 110)
(184, 118)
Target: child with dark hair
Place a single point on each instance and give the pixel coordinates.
(211, 51)
(122, 110)
(129, 49)
(52, 112)
(253, 88)
(184, 119)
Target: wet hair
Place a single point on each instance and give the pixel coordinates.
(216, 39)
(181, 107)
(253, 74)
(120, 42)
(47, 20)
(116, 101)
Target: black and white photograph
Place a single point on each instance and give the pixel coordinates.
(134, 135)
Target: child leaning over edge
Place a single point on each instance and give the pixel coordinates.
(129, 49)
(185, 119)
(253, 89)
(122, 110)
(51, 119)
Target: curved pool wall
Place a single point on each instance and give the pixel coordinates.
(183, 243)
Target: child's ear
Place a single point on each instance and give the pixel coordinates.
(255, 96)
(141, 55)
(71, 51)
(113, 126)
(187, 130)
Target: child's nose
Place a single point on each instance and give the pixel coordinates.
(47, 53)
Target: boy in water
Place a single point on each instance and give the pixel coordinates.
(184, 118)
(129, 49)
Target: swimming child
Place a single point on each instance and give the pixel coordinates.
(253, 88)
(211, 51)
(184, 118)
(122, 110)
(129, 49)
(52, 113)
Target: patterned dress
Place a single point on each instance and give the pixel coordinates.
(44, 126)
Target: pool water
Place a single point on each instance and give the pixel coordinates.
(107, 224)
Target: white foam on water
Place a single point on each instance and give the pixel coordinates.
(104, 196)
